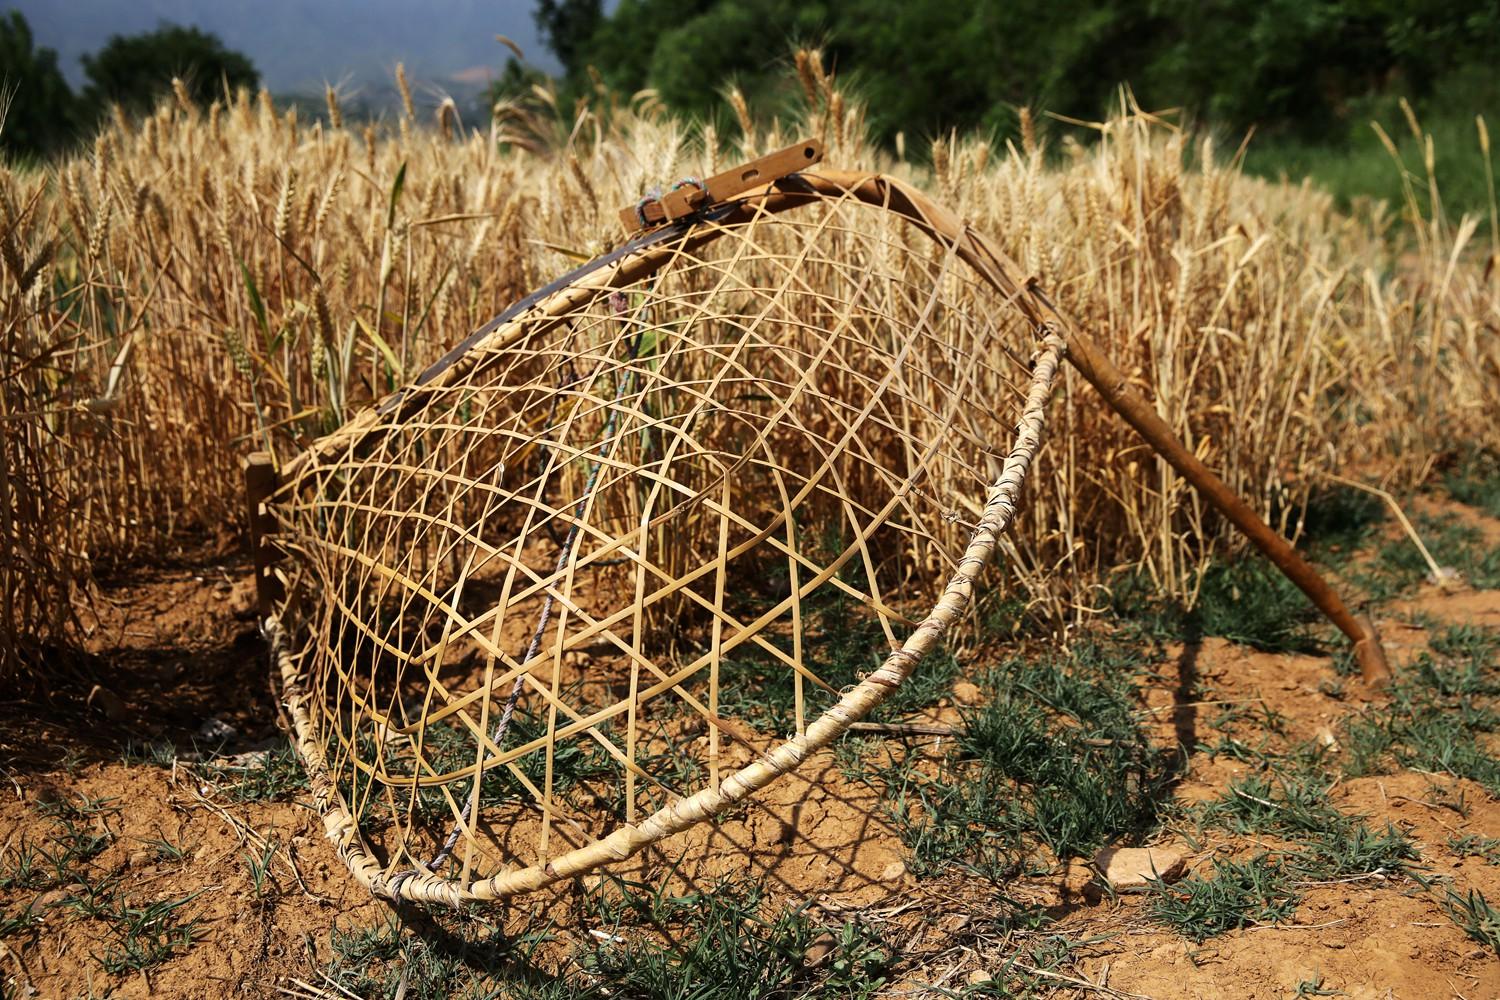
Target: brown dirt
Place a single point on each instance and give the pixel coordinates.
(176, 646)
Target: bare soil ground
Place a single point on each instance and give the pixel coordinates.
(128, 832)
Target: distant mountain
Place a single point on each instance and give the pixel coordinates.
(448, 46)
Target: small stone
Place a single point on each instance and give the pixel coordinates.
(955, 922)
(967, 694)
(818, 951)
(216, 730)
(101, 699)
(53, 897)
(1447, 578)
(979, 977)
(138, 859)
(894, 872)
(1127, 868)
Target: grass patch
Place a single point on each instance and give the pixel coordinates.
(464, 956)
(727, 940)
(1238, 894)
(1056, 758)
(1251, 602)
(1247, 601)
(1030, 972)
(1440, 714)
(1474, 479)
(1330, 843)
(139, 935)
(59, 858)
(1471, 845)
(146, 935)
(1339, 520)
(842, 643)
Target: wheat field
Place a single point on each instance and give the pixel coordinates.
(205, 282)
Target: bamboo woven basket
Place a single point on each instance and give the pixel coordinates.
(529, 612)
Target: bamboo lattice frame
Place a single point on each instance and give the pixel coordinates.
(524, 599)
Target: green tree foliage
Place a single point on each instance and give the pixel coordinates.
(136, 70)
(1291, 66)
(568, 27)
(41, 113)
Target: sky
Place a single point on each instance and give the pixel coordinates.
(298, 45)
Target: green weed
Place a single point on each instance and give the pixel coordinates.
(1330, 843)
(73, 840)
(1029, 973)
(154, 753)
(1339, 520)
(259, 865)
(1314, 988)
(165, 850)
(1250, 601)
(464, 956)
(722, 941)
(841, 644)
(1399, 566)
(1247, 601)
(1440, 715)
(1422, 731)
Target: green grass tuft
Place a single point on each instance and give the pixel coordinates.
(275, 774)
(1247, 601)
(725, 941)
(1475, 916)
(1471, 845)
(1399, 567)
(146, 935)
(1330, 843)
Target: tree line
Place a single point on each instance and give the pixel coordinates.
(44, 115)
(1295, 67)
(1302, 71)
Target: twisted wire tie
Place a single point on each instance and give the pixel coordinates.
(654, 194)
